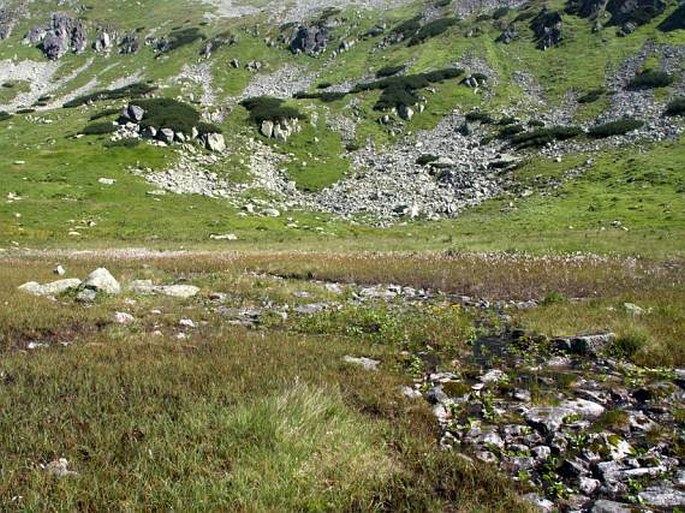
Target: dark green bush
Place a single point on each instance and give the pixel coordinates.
(650, 79)
(4, 115)
(509, 131)
(592, 96)
(478, 115)
(130, 91)
(329, 96)
(8, 85)
(324, 85)
(45, 98)
(408, 28)
(129, 142)
(508, 120)
(432, 29)
(267, 108)
(536, 123)
(180, 37)
(389, 71)
(25, 111)
(402, 90)
(500, 12)
(442, 3)
(543, 136)
(628, 345)
(352, 146)
(104, 113)
(100, 128)
(426, 159)
(208, 128)
(618, 127)
(676, 107)
(168, 113)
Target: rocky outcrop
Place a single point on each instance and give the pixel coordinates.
(310, 40)
(281, 130)
(63, 34)
(547, 26)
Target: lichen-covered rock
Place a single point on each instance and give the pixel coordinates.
(312, 41)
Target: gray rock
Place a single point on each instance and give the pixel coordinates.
(604, 506)
(436, 395)
(59, 270)
(59, 468)
(123, 318)
(588, 486)
(179, 291)
(267, 129)
(166, 135)
(215, 142)
(86, 296)
(311, 308)
(50, 289)
(101, 280)
(543, 505)
(365, 363)
(662, 497)
(135, 113)
(592, 345)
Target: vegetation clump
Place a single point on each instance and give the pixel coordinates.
(402, 91)
(168, 113)
(618, 127)
(426, 159)
(544, 136)
(104, 114)
(389, 71)
(130, 91)
(478, 116)
(179, 38)
(325, 96)
(4, 115)
(267, 108)
(408, 28)
(676, 107)
(650, 79)
(99, 128)
(432, 29)
(592, 95)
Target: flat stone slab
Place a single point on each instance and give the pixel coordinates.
(50, 289)
(149, 288)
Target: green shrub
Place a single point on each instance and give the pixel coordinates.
(45, 98)
(442, 3)
(501, 12)
(180, 37)
(168, 113)
(432, 29)
(267, 108)
(25, 111)
(543, 136)
(509, 131)
(4, 115)
(100, 128)
(352, 146)
(426, 159)
(324, 96)
(676, 107)
(628, 344)
(208, 128)
(8, 85)
(324, 85)
(618, 127)
(130, 91)
(592, 96)
(650, 79)
(389, 71)
(478, 115)
(554, 297)
(536, 123)
(409, 27)
(508, 120)
(402, 90)
(104, 113)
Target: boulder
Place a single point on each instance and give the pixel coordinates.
(50, 289)
(604, 506)
(312, 41)
(365, 363)
(135, 113)
(215, 142)
(267, 129)
(101, 280)
(166, 135)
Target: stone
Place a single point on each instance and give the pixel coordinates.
(50, 289)
(365, 363)
(86, 296)
(436, 395)
(271, 212)
(604, 506)
(588, 485)
(187, 323)
(123, 318)
(101, 280)
(179, 291)
(543, 505)
(59, 468)
(662, 497)
(59, 270)
(226, 236)
(166, 135)
(406, 113)
(541, 452)
(592, 345)
(522, 395)
(410, 393)
(311, 308)
(583, 407)
(215, 142)
(106, 181)
(267, 129)
(493, 376)
(546, 419)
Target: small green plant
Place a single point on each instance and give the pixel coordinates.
(99, 128)
(650, 79)
(618, 127)
(676, 107)
(554, 297)
(629, 344)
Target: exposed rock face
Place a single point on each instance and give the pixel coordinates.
(101, 280)
(129, 44)
(103, 42)
(311, 41)
(64, 33)
(637, 12)
(281, 130)
(508, 35)
(547, 28)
